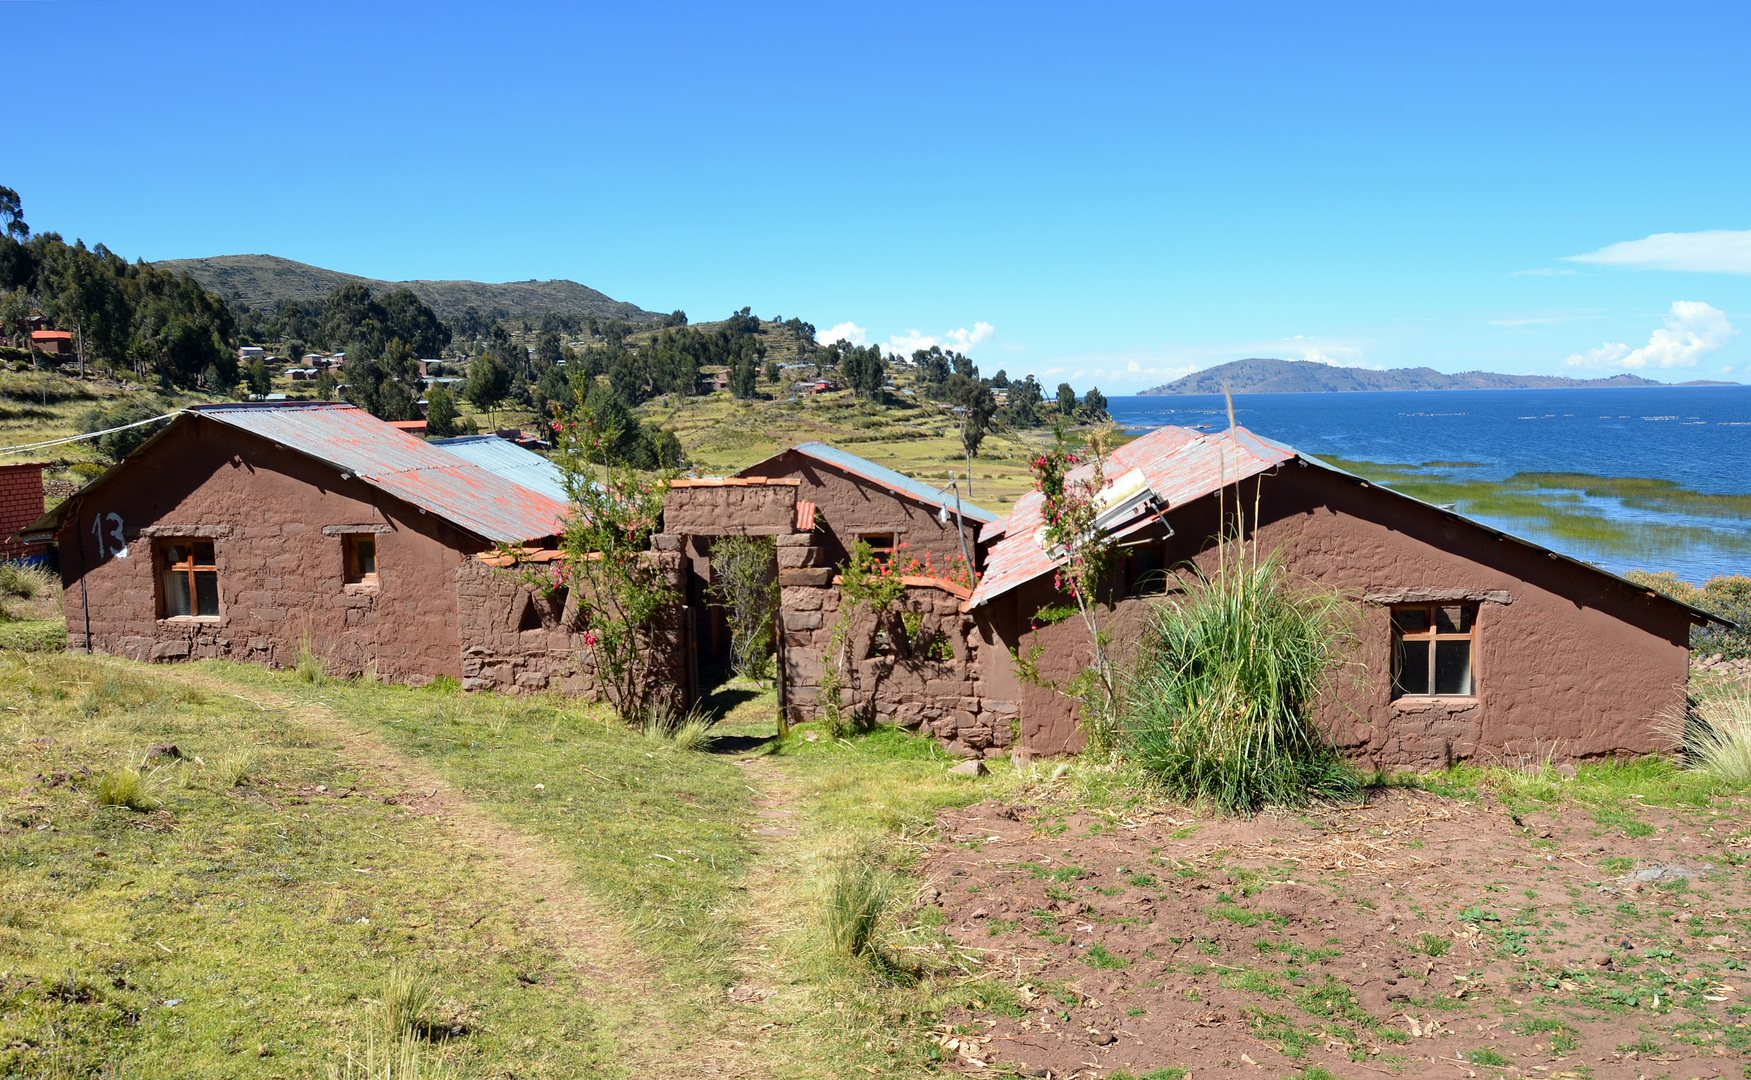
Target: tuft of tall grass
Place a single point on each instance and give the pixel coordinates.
(309, 666)
(25, 582)
(400, 1057)
(690, 731)
(1220, 707)
(856, 893)
(233, 768)
(1716, 737)
(403, 995)
(126, 788)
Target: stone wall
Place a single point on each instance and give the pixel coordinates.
(522, 640)
(889, 675)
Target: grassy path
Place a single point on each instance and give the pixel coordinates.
(617, 980)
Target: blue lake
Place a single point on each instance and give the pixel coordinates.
(1697, 437)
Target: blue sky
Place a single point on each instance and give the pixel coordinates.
(1108, 194)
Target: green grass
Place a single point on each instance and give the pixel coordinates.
(654, 829)
(240, 931)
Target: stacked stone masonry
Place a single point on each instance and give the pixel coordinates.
(891, 672)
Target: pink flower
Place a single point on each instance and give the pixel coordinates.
(590, 638)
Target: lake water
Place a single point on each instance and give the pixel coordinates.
(1696, 437)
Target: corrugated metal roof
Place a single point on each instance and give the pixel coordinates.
(1178, 464)
(805, 517)
(435, 480)
(507, 459)
(1182, 465)
(888, 478)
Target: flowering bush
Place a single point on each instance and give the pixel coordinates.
(952, 568)
(622, 590)
(1085, 557)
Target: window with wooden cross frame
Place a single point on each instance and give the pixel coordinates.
(1433, 649)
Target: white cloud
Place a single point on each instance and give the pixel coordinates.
(1717, 251)
(960, 340)
(1693, 330)
(1134, 366)
(845, 331)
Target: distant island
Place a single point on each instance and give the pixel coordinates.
(263, 281)
(1262, 376)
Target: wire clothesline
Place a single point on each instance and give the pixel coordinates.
(46, 443)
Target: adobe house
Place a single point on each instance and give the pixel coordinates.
(238, 531)
(1473, 643)
(855, 499)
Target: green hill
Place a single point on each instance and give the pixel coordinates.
(263, 281)
(1264, 376)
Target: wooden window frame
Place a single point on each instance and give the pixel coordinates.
(191, 566)
(1434, 636)
(351, 572)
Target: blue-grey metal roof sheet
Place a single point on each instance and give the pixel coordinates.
(407, 467)
(869, 470)
(510, 461)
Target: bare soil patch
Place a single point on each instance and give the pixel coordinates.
(1417, 935)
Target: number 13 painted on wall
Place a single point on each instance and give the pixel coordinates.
(118, 543)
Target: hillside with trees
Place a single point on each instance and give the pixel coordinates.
(264, 282)
(123, 317)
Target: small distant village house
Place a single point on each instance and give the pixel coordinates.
(247, 353)
(52, 342)
(713, 381)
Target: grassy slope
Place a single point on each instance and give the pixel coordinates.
(264, 911)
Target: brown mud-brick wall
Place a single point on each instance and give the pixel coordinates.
(21, 502)
(896, 682)
(733, 506)
(520, 639)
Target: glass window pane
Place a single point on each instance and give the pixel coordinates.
(203, 552)
(1453, 667)
(1410, 667)
(175, 553)
(1411, 620)
(365, 554)
(176, 598)
(206, 592)
(1453, 619)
